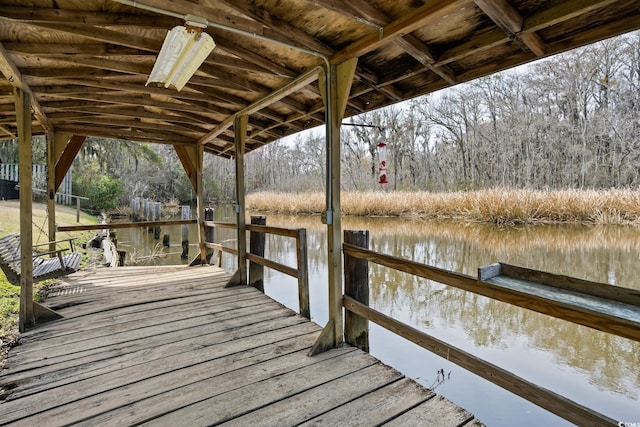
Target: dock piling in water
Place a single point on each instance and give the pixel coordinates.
(186, 214)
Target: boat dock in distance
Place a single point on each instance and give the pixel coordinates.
(172, 346)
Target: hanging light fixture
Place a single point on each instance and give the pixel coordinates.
(184, 49)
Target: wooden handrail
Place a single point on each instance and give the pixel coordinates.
(219, 224)
(290, 271)
(278, 231)
(547, 399)
(300, 272)
(561, 310)
(67, 228)
(576, 308)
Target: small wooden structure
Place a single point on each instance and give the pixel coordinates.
(172, 346)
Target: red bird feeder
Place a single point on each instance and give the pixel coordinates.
(382, 170)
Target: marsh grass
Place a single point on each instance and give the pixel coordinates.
(498, 206)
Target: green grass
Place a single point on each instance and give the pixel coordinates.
(9, 298)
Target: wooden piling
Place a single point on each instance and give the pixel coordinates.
(209, 235)
(157, 210)
(165, 241)
(121, 258)
(356, 283)
(186, 214)
(256, 247)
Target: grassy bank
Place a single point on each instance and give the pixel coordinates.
(509, 207)
(10, 223)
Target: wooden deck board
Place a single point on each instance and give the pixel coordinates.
(172, 346)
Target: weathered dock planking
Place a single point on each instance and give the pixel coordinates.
(171, 346)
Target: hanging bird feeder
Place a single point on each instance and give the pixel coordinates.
(382, 170)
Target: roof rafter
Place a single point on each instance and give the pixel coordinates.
(363, 10)
(14, 77)
(556, 14)
(511, 22)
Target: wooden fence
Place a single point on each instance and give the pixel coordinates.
(9, 172)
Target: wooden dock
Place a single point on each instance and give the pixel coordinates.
(172, 346)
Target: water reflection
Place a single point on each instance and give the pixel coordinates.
(598, 370)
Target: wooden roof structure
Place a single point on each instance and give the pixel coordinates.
(85, 62)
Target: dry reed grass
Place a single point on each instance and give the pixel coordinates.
(497, 206)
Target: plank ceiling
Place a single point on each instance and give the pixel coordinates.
(86, 61)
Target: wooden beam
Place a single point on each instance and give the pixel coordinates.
(143, 135)
(188, 158)
(335, 91)
(362, 10)
(266, 63)
(289, 88)
(421, 53)
(59, 15)
(54, 50)
(240, 129)
(8, 131)
(562, 11)
(431, 12)
(26, 318)
(52, 158)
(199, 155)
(290, 34)
(558, 13)
(511, 22)
(105, 35)
(68, 154)
(14, 77)
(131, 112)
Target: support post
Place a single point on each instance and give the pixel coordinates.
(51, 190)
(240, 130)
(209, 232)
(335, 91)
(356, 285)
(200, 202)
(26, 317)
(256, 247)
(303, 273)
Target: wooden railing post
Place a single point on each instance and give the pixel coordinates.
(209, 232)
(356, 286)
(256, 247)
(303, 273)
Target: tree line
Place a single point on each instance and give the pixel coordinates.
(570, 121)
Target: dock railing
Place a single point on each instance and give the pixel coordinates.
(358, 313)
(256, 255)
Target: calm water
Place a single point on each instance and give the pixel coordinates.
(595, 369)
